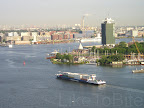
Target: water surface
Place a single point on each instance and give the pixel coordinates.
(35, 85)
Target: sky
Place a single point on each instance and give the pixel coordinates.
(70, 12)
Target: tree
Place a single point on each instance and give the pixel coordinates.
(107, 60)
(58, 56)
(70, 58)
(4, 40)
(122, 44)
(64, 57)
(30, 39)
(118, 57)
(93, 48)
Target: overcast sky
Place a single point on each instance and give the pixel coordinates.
(70, 12)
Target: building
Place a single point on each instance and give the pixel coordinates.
(134, 33)
(25, 34)
(15, 34)
(26, 38)
(13, 38)
(0, 38)
(107, 29)
(141, 33)
(34, 35)
(11, 34)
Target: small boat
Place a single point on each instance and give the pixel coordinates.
(10, 45)
(138, 71)
(78, 77)
(52, 55)
(4, 45)
(91, 63)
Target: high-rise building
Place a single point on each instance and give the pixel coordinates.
(107, 29)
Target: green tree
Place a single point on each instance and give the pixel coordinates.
(4, 40)
(107, 60)
(58, 56)
(93, 49)
(122, 44)
(70, 58)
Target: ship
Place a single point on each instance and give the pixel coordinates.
(95, 39)
(78, 77)
(138, 71)
(6, 45)
(52, 55)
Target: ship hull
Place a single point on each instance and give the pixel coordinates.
(91, 40)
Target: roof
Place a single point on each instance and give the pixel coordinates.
(80, 47)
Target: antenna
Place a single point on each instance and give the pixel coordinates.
(108, 13)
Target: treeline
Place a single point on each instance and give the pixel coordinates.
(117, 53)
(121, 48)
(19, 31)
(108, 59)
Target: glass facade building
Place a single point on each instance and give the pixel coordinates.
(107, 29)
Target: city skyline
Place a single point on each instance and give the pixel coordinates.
(70, 12)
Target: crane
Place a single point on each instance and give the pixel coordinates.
(136, 45)
(139, 54)
(82, 23)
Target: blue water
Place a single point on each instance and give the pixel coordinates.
(35, 85)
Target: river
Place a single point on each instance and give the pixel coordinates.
(34, 85)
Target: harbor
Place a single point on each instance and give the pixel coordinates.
(129, 54)
(72, 54)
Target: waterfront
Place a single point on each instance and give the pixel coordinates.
(35, 85)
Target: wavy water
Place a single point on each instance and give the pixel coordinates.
(34, 84)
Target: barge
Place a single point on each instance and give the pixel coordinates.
(78, 77)
(138, 71)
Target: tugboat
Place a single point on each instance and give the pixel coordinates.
(78, 77)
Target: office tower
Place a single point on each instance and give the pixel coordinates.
(107, 29)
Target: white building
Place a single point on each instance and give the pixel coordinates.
(16, 34)
(34, 35)
(129, 28)
(13, 34)
(1, 34)
(10, 34)
(25, 34)
(134, 33)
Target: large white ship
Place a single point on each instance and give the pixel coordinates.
(96, 39)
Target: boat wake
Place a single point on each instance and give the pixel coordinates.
(126, 89)
(10, 62)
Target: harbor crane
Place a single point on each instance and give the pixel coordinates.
(136, 45)
(139, 54)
